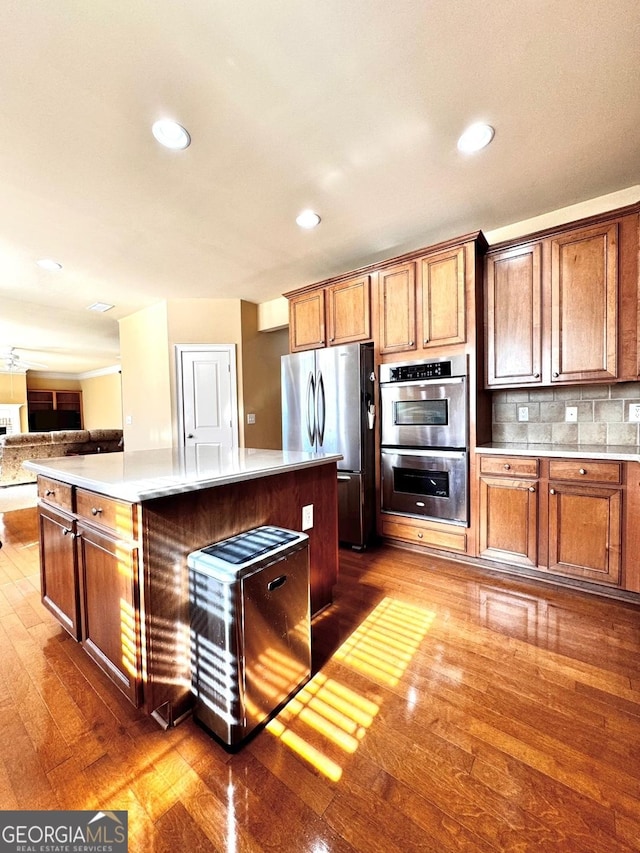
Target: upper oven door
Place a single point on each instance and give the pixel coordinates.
(431, 413)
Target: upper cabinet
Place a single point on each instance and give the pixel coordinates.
(422, 302)
(336, 314)
(562, 308)
(418, 301)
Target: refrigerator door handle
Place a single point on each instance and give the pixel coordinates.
(311, 409)
(321, 409)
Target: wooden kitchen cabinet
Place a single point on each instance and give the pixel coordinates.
(508, 496)
(110, 600)
(555, 306)
(306, 321)
(329, 316)
(575, 532)
(110, 605)
(397, 307)
(442, 297)
(423, 301)
(59, 568)
(585, 520)
(584, 304)
(514, 316)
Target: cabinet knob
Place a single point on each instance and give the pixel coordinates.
(49, 492)
(507, 466)
(332, 339)
(552, 491)
(96, 510)
(420, 535)
(411, 343)
(582, 471)
(532, 488)
(555, 374)
(536, 376)
(67, 531)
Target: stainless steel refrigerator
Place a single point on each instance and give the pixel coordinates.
(328, 405)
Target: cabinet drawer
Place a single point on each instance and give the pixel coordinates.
(454, 541)
(56, 493)
(106, 512)
(511, 466)
(585, 471)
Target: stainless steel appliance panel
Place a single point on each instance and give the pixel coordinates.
(425, 483)
(339, 404)
(298, 382)
(250, 628)
(430, 413)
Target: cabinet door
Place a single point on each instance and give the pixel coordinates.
(585, 532)
(397, 303)
(513, 316)
(59, 568)
(443, 303)
(306, 321)
(584, 304)
(110, 604)
(349, 311)
(509, 520)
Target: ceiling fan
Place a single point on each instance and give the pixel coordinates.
(14, 362)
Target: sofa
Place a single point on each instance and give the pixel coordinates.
(16, 448)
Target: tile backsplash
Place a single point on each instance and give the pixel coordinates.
(602, 410)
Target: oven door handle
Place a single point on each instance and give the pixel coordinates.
(321, 413)
(311, 409)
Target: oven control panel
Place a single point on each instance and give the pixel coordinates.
(416, 371)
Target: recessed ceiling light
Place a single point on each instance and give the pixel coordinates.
(99, 306)
(49, 264)
(171, 134)
(475, 137)
(308, 219)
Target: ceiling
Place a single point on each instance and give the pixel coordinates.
(352, 109)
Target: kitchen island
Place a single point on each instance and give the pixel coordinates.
(115, 533)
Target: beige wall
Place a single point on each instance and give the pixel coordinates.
(13, 389)
(102, 401)
(146, 383)
(147, 347)
(261, 353)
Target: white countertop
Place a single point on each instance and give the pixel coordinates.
(622, 452)
(142, 475)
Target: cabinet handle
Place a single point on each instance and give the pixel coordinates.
(507, 466)
(582, 471)
(420, 535)
(48, 493)
(552, 491)
(95, 510)
(67, 531)
(555, 374)
(532, 488)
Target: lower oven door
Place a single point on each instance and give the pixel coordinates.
(426, 483)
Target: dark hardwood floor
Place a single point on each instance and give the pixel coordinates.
(451, 710)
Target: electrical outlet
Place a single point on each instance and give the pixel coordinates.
(634, 413)
(307, 517)
(523, 413)
(251, 418)
(571, 414)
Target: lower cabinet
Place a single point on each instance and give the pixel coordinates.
(561, 516)
(59, 568)
(110, 607)
(89, 577)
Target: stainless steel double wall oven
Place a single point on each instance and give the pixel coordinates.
(425, 439)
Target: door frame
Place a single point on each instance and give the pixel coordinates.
(180, 350)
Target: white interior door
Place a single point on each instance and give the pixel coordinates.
(207, 397)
